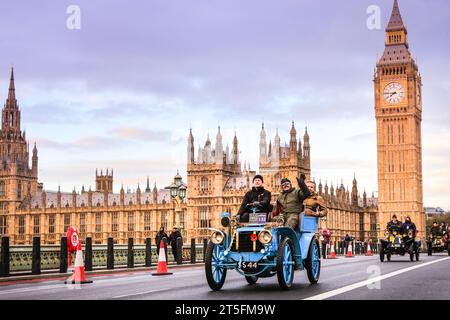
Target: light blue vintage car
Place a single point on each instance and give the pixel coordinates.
(259, 250)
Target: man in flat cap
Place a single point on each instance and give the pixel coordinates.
(291, 201)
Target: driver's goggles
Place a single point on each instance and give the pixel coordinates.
(286, 184)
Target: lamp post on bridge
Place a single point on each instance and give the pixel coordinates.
(178, 193)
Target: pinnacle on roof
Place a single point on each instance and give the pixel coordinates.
(396, 21)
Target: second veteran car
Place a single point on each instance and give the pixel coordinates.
(397, 243)
(438, 243)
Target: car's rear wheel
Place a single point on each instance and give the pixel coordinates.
(285, 263)
(251, 279)
(313, 262)
(215, 275)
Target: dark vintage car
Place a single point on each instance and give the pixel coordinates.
(438, 243)
(399, 244)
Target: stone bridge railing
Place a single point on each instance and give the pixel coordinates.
(36, 259)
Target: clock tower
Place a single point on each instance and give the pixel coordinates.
(398, 112)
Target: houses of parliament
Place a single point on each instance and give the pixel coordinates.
(216, 179)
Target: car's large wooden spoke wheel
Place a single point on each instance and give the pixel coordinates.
(285, 263)
(313, 262)
(215, 274)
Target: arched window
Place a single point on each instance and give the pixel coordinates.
(19, 189)
(114, 222)
(164, 219)
(277, 181)
(147, 221)
(131, 221)
(205, 217)
(98, 222)
(204, 184)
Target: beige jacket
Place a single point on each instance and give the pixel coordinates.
(313, 204)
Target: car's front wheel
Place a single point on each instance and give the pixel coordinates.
(313, 262)
(215, 275)
(285, 263)
(448, 248)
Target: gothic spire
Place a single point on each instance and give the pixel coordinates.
(396, 21)
(235, 150)
(147, 189)
(262, 145)
(190, 148)
(12, 90)
(219, 147)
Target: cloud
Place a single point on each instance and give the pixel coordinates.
(83, 143)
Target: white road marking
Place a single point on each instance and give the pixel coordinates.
(336, 292)
(140, 293)
(23, 290)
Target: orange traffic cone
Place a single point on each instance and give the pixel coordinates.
(78, 275)
(349, 250)
(369, 250)
(332, 253)
(162, 264)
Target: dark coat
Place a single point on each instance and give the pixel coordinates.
(435, 231)
(256, 194)
(159, 237)
(173, 238)
(409, 226)
(391, 224)
(326, 234)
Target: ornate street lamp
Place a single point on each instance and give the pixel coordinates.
(178, 193)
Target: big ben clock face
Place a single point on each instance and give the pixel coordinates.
(393, 93)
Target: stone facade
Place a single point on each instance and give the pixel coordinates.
(27, 210)
(217, 183)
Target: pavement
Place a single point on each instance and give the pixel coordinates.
(358, 278)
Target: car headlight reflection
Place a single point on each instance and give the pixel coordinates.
(265, 236)
(217, 237)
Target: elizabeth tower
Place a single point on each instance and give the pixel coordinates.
(398, 112)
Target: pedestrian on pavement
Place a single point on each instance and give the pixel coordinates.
(326, 235)
(347, 239)
(160, 236)
(173, 241)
